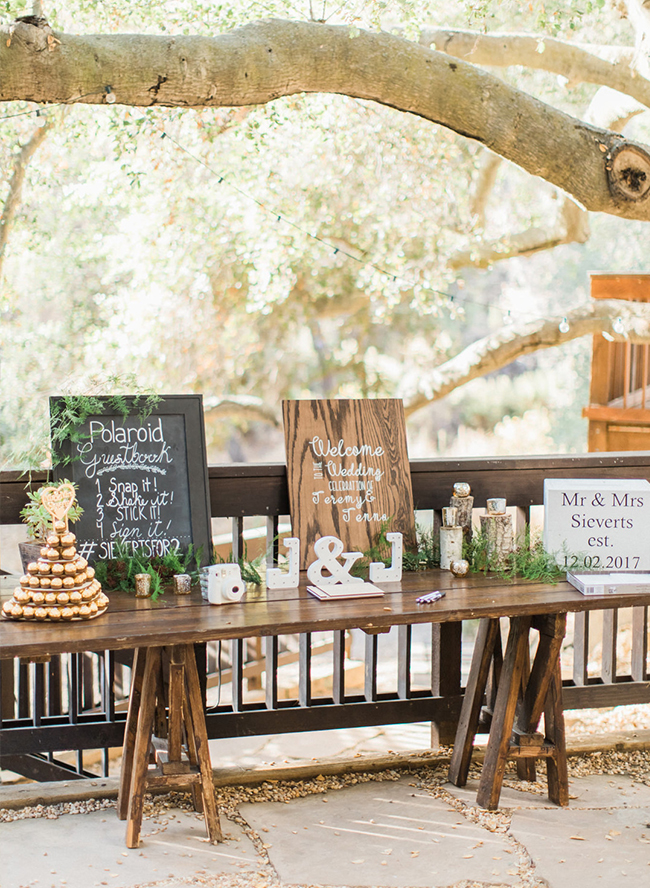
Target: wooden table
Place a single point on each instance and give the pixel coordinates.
(516, 694)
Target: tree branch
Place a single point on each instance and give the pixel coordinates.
(607, 108)
(543, 53)
(242, 407)
(506, 345)
(571, 226)
(485, 181)
(12, 200)
(262, 61)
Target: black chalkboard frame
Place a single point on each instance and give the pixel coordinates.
(190, 407)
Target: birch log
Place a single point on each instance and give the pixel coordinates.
(497, 530)
(451, 546)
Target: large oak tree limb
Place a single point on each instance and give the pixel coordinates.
(506, 345)
(488, 354)
(260, 62)
(607, 108)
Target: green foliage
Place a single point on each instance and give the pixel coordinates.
(529, 560)
(551, 16)
(36, 516)
(127, 253)
(119, 572)
(379, 551)
(428, 553)
(251, 570)
(70, 412)
(426, 556)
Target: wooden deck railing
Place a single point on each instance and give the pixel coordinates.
(76, 702)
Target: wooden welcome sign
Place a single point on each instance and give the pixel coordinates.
(348, 472)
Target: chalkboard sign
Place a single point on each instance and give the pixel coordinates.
(348, 472)
(141, 480)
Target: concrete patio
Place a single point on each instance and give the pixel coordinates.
(393, 826)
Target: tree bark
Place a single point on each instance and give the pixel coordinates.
(263, 61)
(574, 62)
(499, 537)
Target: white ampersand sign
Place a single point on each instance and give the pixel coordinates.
(328, 550)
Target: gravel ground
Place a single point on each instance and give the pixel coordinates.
(586, 722)
(159, 809)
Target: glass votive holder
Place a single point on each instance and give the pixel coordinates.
(449, 516)
(182, 584)
(496, 505)
(462, 489)
(143, 585)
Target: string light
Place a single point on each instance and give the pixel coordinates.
(110, 98)
(507, 319)
(335, 250)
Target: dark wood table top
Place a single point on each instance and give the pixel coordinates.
(131, 622)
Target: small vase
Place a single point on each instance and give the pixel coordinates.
(29, 552)
(143, 586)
(182, 584)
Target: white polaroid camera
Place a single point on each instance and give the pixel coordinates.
(222, 583)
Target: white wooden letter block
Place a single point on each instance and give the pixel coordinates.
(379, 573)
(279, 579)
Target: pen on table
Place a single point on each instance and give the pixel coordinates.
(430, 598)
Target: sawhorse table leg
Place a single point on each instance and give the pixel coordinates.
(484, 646)
(522, 695)
(185, 720)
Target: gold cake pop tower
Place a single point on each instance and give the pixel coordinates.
(60, 585)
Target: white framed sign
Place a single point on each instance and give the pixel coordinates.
(598, 524)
